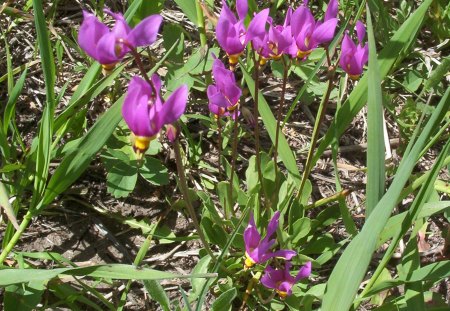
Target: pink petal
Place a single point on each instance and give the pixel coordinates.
(304, 272)
(257, 26)
(175, 105)
(91, 31)
(106, 49)
(242, 8)
(146, 31)
(332, 10)
(360, 31)
(325, 32)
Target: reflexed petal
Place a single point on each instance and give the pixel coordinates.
(347, 46)
(301, 18)
(272, 277)
(242, 8)
(273, 225)
(332, 10)
(156, 80)
(257, 26)
(106, 49)
(121, 28)
(91, 31)
(304, 272)
(286, 287)
(360, 31)
(325, 32)
(146, 31)
(217, 99)
(227, 14)
(287, 20)
(251, 235)
(233, 92)
(228, 38)
(174, 106)
(135, 109)
(284, 253)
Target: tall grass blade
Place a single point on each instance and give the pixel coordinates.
(348, 273)
(375, 138)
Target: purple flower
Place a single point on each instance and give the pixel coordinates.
(224, 95)
(231, 33)
(277, 41)
(145, 112)
(308, 33)
(354, 57)
(281, 280)
(108, 46)
(257, 250)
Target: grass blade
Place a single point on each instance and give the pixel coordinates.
(375, 138)
(347, 275)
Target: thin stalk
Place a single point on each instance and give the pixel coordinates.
(255, 116)
(185, 192)
(201, 23)
(219, 138)
(333, 198)
(279, 115)
(319, 120)
(23, 226)
(249, 289)
(137, 58)
(234, 155)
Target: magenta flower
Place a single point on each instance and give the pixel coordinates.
(277, 41)
(308, 33)
(145, 112)
(257, 250)
(108, 46)
(231, 32)
(354, 57)
(281, 280)
(224, 95)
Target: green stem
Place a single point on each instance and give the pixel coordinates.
(185, 192)
(219, 133)
(279, 115)
(201, 23)
(234, 155)
(26, 220)
(333, 198)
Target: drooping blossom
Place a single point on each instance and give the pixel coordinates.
(281, 280)
(308, 33)
(231, 32)
(109, 46)
(277, 41)
(146, 113)
(224, 95)
(258, 250)
(354, 56)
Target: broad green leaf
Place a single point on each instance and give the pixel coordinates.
(157, 293)
(225, 300)
(23, 297)
(121, 179)
(154, 172)
(375, 138)
(189, 9)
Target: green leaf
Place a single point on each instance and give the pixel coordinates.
(375, 137)
(111, 271)
(189, 9)
(11, 104)
(301, 228)
(157, 293)
(225, 301)
(200, 267)
(23, 297)
(154, 172)
(284, 151)
(347, 275)
(121, 179)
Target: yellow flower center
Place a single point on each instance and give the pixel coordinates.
(302, 54)
(282, 294)
(141, 144)
(354, 77)
(249, 262)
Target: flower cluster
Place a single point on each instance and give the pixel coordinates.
(258, 251)
(297, 37)
(144, 110)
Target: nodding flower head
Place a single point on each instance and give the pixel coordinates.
(354, 56)
(224, 95)
(109, 46)
(231, 32)
(146, 113)
(281, 280)
(257, 250)
(308, 33)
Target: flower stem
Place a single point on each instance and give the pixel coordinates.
(187, 200)
(219, 138)
(249, 289)
(140, 65)
(319, 120)
(201, 23)
(279, 115)
(255, 116)
(233, 156)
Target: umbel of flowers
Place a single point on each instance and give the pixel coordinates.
(144, 109)
(297, 37)
(259, 251)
